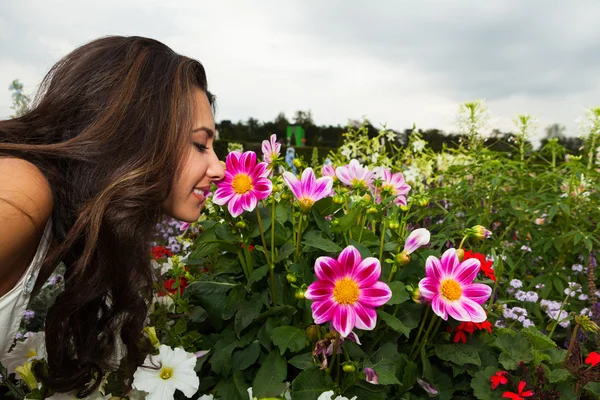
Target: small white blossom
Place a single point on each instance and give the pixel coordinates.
(516, 283)
(526, 248)
(577, 268)
(583, 297)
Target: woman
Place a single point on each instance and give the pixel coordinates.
(120, 134)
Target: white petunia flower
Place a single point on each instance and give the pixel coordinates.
(172, 369)
(32, 348)
(206, 397)
(329, 395)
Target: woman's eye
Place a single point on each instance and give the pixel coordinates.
(201, 148)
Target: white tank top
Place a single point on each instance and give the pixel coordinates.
(14, 303)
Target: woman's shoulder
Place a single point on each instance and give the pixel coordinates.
(25, 208)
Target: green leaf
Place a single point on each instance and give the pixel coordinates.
(270, 375)
(393, 322)
(399, 294)
(248, 312)
(242, 359)
(310, 384)
(537, 339)
(204, 249)
(235, 388)
(212, 296)
(348, 220)
(408, 371)
(384, 364)
(257, 275)
(558, 375)
(236, 298)
(315, 239)
(514, 350)
(458, 353)
(593, 388)
(557, 356)
(224, 233)
(481, 384)
(322, 223)
(362, 249)
(303, 361)
(289, 337)
(285, 251)
(198, 314)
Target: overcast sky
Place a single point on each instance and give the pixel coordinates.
(395, 62)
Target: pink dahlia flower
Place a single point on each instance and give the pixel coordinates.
(347, 291)
(271, 149)
(450, 289)
(355, 175)
(392, 185)
(244, 184)
(308, 189)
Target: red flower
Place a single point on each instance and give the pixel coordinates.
(485, 266)
(169, 283)
(159, 252)
(463, 328)
(520, 395)
(487, 325)
(499, 378)
(593, 358)
(250, 247)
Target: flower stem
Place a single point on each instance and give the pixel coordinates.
(272, 265)
(298, 237)
(243, 263)
(462, 242)
(432, 322)
(262, 235)
(558, 317)
(493, 293)
(335, 350)
(571, 344)
(420, 329)
(381, 242)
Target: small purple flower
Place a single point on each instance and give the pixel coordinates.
(372, 377)
(28, 315)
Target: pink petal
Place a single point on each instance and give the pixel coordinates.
(262, 188)
(475, 311)
(293, 183)
(417, 238)
(232, 163)
(322, 188)
(457, 311)
(349, 259)
(449, 261)
(366, 317)
(249, 201)
(478, 292)
(429, 288)
(367, 272)
(376, 295)
(466, 271)
(266, 148)
(343, 175)
(400, 201)
(308, 181)
(329, 269)
(344, 319)
(323, 311)
(235, 206)
(320, 291)
(248, 161)
(433, 268)
(439, 307)
(260, 170)
(222, 195)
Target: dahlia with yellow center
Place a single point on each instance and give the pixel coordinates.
(450, 290)
(244, 184)
(308, 189)
(347, 291)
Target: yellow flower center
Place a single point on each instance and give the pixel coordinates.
(31, 353)
(346, 291)
(166, 373)
(305, 203)
(358, 183)
(451, 289)
(241, 184)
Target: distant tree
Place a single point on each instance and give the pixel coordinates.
(555, 131)
(20, 101)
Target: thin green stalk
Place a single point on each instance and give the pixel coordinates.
(273, 232)
(571, 344)
(425, 337)
(462, 242)
(381, 242)
(420, 329)
(262, 235)
(493, 293)
(558, 317)
(362, 222)
(298, 237)
(335, 350)
(243, 263)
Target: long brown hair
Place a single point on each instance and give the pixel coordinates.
(107, 129)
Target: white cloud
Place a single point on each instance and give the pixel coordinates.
(397, 63)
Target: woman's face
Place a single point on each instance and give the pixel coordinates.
(201, 165)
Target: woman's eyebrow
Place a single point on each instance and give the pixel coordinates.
(208, 131)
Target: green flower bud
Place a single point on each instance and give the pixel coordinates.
(394, 225)
(348, 367)
(286, 196)
(297, 163)
(240, 225)
(312, 333)
(460, 253)
(479, 232)
(338, 199)
(372, 210)
(402, 259)
(291, 277)
(404, 208)
(299, 294)
(587, 324)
